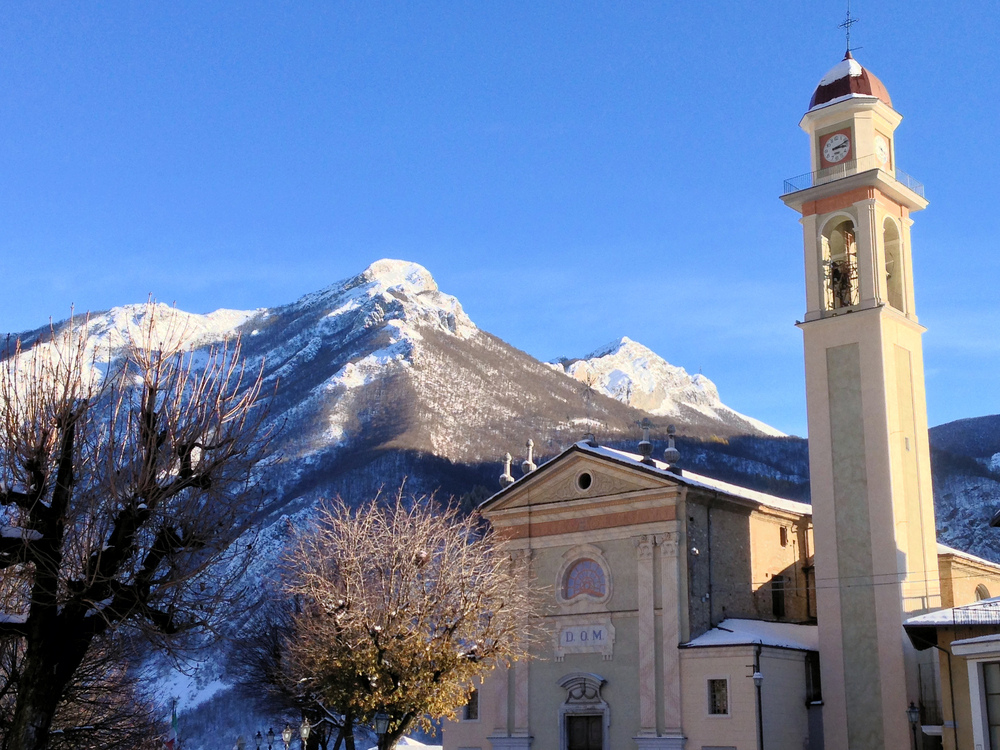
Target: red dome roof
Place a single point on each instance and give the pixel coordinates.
(846, 79)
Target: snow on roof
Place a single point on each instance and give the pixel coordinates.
(844, 98)
(940, 617)
(846, 67)
(847, 80)
(736, 632)
(943, 549)
(992, 638)
(698, 480)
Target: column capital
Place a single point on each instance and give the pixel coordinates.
(644, 545)
(668, 543)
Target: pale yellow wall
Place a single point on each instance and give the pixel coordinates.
(471, 734)
(783, 695)
(960, 576)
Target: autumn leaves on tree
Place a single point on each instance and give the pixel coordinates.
(402, 605)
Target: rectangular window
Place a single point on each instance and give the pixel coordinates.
(471, 712)
(814, 688)
(991, 680)
(718, 697)
(783, 536)
(778, 596)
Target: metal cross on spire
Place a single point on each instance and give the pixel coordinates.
(849, 21)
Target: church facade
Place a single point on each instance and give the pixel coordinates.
(669, 590)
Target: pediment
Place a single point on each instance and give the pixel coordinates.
(563, 480)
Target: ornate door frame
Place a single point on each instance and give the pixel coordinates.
(583, 697)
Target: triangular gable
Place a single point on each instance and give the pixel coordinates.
(557, 481)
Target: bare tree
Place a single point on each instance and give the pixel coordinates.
(259, 666)
(126, 484)
(107, 705)
(403, 605)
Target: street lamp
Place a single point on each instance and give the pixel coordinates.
(286, 735)
(258, 739)
(381, 725)
(758, 681)
(270, 738)
(913, 714)
(304, 731)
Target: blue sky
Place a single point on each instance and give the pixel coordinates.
(573, 172)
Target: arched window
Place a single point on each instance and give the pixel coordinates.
(982, 592)
(840, 256)
(585, 577)
(893, 265)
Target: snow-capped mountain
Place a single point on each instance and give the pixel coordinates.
(635, 375)
(383, 376)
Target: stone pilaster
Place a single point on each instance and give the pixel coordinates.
(647, 636)
(670, 633)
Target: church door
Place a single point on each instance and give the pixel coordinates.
(585, 732)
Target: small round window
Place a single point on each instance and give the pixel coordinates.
(584, 481)
(585, 577)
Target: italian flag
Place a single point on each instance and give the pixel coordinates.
(171, 743)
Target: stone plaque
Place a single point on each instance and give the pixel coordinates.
(585, 634)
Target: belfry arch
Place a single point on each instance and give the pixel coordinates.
(894, 266)
(840, 260)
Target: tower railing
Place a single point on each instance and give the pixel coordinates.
(848, 168)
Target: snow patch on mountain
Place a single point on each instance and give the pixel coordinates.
(635, 375)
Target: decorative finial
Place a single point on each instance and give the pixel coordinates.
(846, 26)
(646, 447)
(506, 479)
(528, 465)
(671, 455)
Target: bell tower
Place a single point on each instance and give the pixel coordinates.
(873, 511)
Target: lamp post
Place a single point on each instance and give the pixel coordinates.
(270, 739)
(381, 727)
(304, 732)
(913, 714)
(286, 735)
(758, 680)
(258, 738)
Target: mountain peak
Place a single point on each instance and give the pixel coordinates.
(636, 375)
(400, 274)
(614, 347)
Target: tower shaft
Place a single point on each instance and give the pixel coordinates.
(869, 457)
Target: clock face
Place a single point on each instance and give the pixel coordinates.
(881, 149)
(836, 147)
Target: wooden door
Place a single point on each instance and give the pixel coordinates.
(585, 732)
